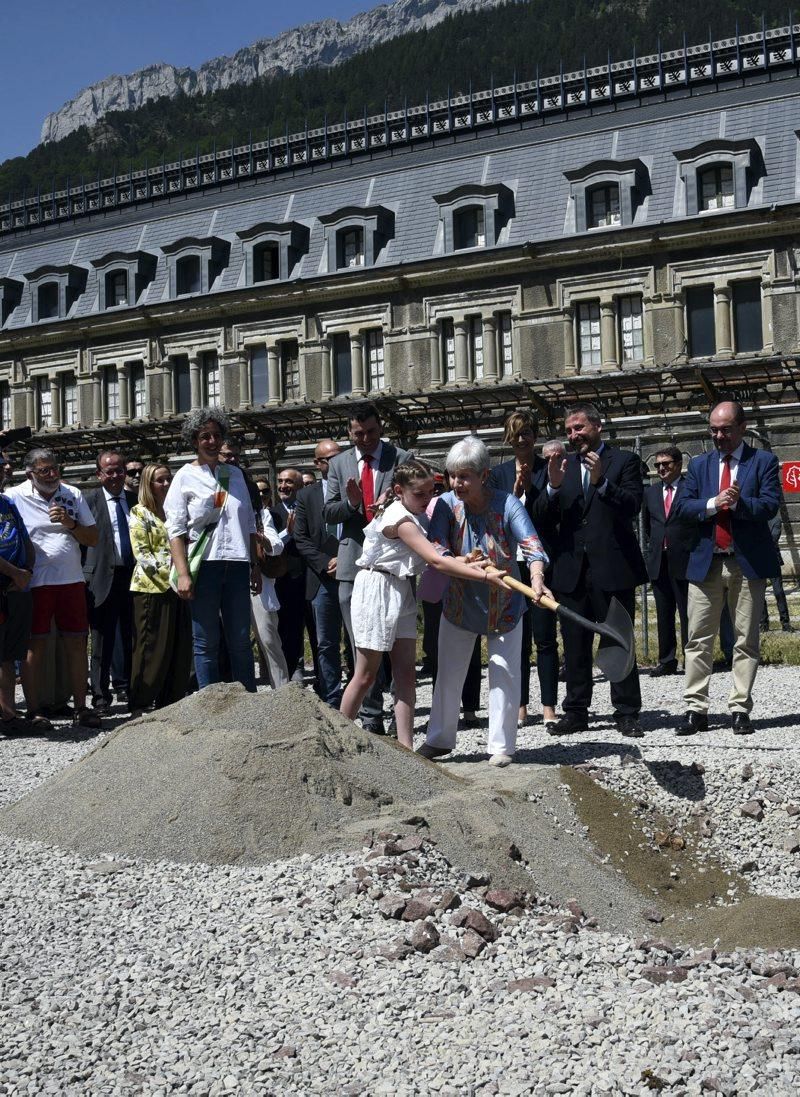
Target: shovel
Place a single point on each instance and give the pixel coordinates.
(617, 652)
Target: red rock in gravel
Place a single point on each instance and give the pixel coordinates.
(397, 949)
(450, 900)
(753, 809)
(342, 979)
(659, 974)
(410, 842)
(778, 980)
(472, 944)
(793, 810)
(417, 909)
(792, 842)
(504, 900)
(533, 982)
(285, 1052)
(392, 906)
(424, 936)
(747, 772)
(704, 956)
(575, 909)
(478, 922)
(653, 915)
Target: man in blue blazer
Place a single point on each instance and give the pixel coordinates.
(731, 493)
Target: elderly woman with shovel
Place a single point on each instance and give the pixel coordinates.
(475, 519)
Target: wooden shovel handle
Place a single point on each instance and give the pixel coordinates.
(548, 603)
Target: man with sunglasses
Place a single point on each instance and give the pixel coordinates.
(669, 541)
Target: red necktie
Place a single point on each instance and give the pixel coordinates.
(723, 537)
(367, 486)
(668, 505)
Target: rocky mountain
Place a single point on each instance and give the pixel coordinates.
(316, 44)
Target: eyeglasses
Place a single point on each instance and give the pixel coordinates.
(133, 473)
(663, 464)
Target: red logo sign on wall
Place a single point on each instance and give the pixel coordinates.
(791, 475)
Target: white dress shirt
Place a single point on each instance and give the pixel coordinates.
(189, 508)
(735, 458)
(113, 514)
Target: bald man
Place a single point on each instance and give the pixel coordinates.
(318, 544)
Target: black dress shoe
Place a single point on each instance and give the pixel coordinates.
(692, 723)
(570, 724)
(662, 669)
(629, 726)
(741, 724)
(374, 726)
(787, 627)
(432, 753)
(122, 697)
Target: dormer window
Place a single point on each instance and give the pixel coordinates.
(474, 215)
(195, 264)
(272, 251)
(355, 236)
(116, 288)
(10, 297)
(350, 248)
(602, 203)
(715, 187)
(266, 262)
(187, 275)
(123, 276)
(54, 290)
(719, 174)
(607, 193)
(469, 228)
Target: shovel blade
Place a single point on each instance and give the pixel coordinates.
(616, 653)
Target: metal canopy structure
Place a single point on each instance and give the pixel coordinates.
(660, 394)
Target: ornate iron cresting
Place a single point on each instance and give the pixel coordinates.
(661, 74)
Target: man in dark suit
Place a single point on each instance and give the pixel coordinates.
(596, 493)
(731, 493)
(669, 541)
(291, 587)
(107, 569)
(356, 480)
(318, 544)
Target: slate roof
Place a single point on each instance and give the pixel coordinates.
(530, 161)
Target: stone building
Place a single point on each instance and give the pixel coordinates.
(627, 234)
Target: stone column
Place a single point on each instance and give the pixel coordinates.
(245, 398)
(302, 360)
(490, 347)
(569, 339)
(97, 398)
(436, 356)
(55, 401)
(148, 390)
(167, 394)
(767, 336)
(274, 374)
(722, 320)
(328, 367)
(30, 403)
(608, 335)
(462, 356)
(357, 363)
(124, 391)
(195, 378)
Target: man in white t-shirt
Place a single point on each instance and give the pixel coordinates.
(58, 523)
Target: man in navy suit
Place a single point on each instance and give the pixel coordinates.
(731, 493)
(596, 494)
(669, 542)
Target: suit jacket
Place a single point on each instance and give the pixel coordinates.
(679, 534)
(337, 509)
(290, 588)
(753, 544)
(98, 560)
(314, 543)
(537, 502)
(599, 526)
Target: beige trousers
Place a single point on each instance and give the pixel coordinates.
(745, 599)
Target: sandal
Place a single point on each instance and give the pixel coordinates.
(38, 722)
(86, 718)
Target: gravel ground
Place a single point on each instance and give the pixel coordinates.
(311, 975)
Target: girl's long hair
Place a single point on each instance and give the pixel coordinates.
(404, 475)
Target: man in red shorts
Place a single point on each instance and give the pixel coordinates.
(58, 522)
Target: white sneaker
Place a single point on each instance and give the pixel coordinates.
(500, 760)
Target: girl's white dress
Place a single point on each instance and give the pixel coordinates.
(384, 607)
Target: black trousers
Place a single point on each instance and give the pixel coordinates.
(780, 602)
(115, 610)
(538, 627)
(291, 591)
(671, 597)
(590, 602)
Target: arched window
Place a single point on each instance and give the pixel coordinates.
(715, 187)
(187, 275)
(602, 206)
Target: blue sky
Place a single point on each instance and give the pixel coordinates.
(50, 49)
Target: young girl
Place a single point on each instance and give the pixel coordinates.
(384, 609)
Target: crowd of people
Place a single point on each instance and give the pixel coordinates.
(179, 579)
